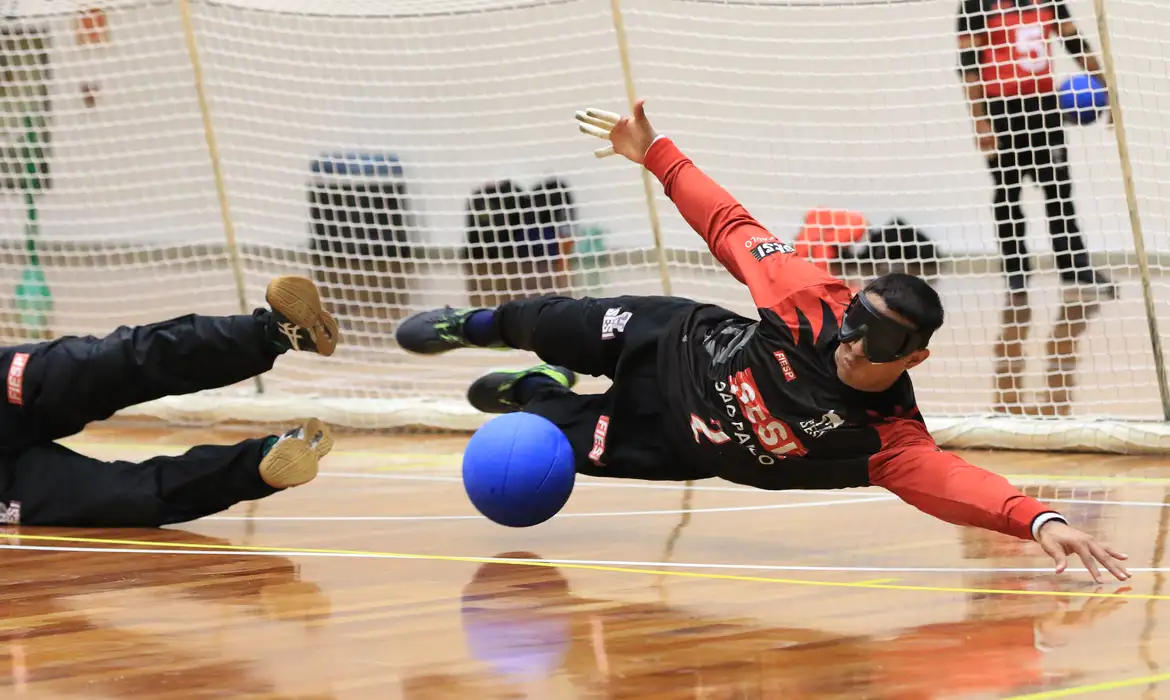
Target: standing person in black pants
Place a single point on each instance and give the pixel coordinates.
(1005, 60)
(55, 389)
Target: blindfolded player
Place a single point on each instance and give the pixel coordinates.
(814, 395)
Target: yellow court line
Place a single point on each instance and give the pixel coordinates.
(586, 567)
(1094, 688)
(874, 582)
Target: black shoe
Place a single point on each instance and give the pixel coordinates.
(1088, 285)
(492, 393)
(299, 321)
(436, 331)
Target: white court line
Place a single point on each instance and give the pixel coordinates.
(612, 484)
(1139, 504)
(846, 495)
(373, 518)
(566, 562)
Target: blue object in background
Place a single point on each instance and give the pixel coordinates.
(357, 164)
(1082, 98)
(518, 470)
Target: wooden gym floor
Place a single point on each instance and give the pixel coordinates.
(378, 580)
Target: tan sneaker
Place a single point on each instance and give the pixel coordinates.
(292, 461)
(302, 322)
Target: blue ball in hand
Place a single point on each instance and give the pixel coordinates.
(1082, 97)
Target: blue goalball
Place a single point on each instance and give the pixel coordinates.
(518, 470)
(1082, 98)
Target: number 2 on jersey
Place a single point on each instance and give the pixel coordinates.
(699, 426)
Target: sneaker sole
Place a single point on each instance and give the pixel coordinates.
(290, 463)
(325, 446)
(296, 462)
(299, 301)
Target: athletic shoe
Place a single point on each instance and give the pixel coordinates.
(292, 461)
(492, 393)
(435, 331)
(299, 320)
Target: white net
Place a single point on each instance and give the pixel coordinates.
(396, 150)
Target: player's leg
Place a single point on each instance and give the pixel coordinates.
(50, 484)
(1068, 245)
(1010, 123)
(586, 335)
(619, 441)
(1007, 170)
(1010, 223)
(56, 388)
(618, 433)
(1015, 326)
(1054, 176)
(1062, 352)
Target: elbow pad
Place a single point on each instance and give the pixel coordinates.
(1077, 46)
(969, 60)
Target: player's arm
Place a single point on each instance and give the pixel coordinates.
(947, 487)
(1076, 45)
(769, 268)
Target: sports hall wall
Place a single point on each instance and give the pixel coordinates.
(790, 104)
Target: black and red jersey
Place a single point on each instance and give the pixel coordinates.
(1016, 56)
(760, 403)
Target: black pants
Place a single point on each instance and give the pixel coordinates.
(618, 433)
(55, 389)
(1031, 143)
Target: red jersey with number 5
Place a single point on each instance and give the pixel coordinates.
(1016, 58)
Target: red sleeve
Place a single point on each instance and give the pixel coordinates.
(771, 270)
(941, 484)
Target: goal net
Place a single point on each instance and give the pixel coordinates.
(414, 153)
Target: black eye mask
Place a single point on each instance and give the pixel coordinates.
(883, 338)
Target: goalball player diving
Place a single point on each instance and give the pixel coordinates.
(814, 395)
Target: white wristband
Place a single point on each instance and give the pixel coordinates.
(1044, 518)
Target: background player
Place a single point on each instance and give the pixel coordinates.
(55, 389)
(814, 395)
(1005, 60)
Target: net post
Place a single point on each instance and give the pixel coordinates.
(619, 28)
(225, 212)
(1135, 220)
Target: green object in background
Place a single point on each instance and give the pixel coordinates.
(25, 110)
(590, 258)
(33, 300)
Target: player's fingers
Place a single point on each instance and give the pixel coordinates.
(1086, 556)
(1057, 554)
(1114, 553)
(640, 110)
(600, 133)
(604, 152)
(584, 118)
(604, 115)
(1107, 559)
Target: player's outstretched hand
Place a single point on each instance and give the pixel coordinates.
(1060, 539)
(629, 136)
